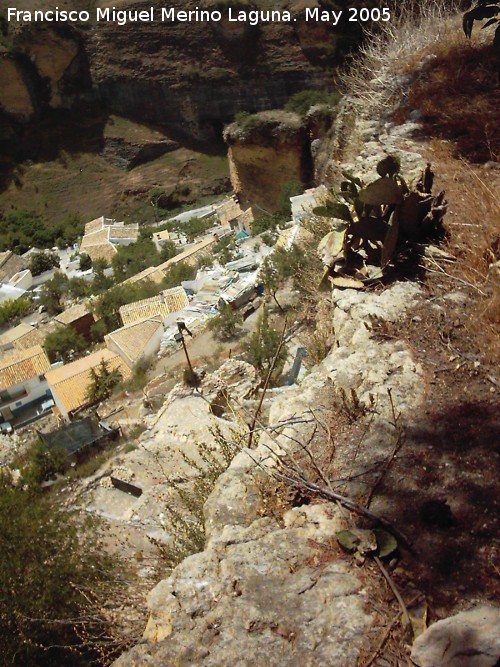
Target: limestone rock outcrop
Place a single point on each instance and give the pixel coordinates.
(266, 152)
(469, 639)
(258, 599)
(257, 594)
(15, 97)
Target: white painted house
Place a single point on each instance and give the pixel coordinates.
(22, 381)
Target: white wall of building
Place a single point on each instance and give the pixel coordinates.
(34, 389)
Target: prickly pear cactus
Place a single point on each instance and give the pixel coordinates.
(371, 224)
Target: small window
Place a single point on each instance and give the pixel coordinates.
(18, 404)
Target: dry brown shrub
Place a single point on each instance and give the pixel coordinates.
(396, 47)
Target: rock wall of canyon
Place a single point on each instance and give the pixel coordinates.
(266, 154)
(188, 78)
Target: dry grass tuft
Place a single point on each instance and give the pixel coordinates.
(376, 77)
(422, 60)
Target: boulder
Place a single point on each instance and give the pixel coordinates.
(469, 639)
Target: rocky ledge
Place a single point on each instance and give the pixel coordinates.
(261, 587)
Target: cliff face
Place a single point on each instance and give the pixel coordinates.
(269, 152)
(189, 78)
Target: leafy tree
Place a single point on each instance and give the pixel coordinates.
(168, 250)
(177, 273)
(289, 263)
(43, 261)
(52, 573)
(225, 324)
(302, 101)
(133, 258)
(271, 279)
(63, 343)
(269, 238)
(101, 281)
(52, 293)
(85, 262)
(195, 227)
(78, 287)
(225, 250)
(267, 223)
(11, 309)
(23, 229)
(43, 464)
(107, 306)
(289, 189)
(262, 347)
(98, 330)
(70, 228)
(102, 382)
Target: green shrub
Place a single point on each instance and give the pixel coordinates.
(85, 262)
(301, 102)
(134, 258)
(52, 293)
(11, 309)
(43, 464)
(288, 189)
(43, 261)
(139, 377)
(102, 382)
(23, 229)
(177, 273)
(64, 343)
(268, 223)
(186, 518)
(262, 347)
(54, 577)
(191, 378)
(225, 325)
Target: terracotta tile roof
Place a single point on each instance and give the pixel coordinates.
(95, 238)
(16, 332)
(101, 223)
(17, 366)
(94, 225)
(127, 232)
(190, 256)
(146, 308)
(133, 338)
(175, 298)
(21, 337)
(10, 264)
(105, 251)
(71, 381)
(99, 235)
(72, 314)
(153, 274)
(169, 301)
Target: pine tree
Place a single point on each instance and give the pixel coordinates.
(262, 347)
(225, 324)
(102, 382)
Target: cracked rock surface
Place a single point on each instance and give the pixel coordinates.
(469, 639)
(259, 594)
